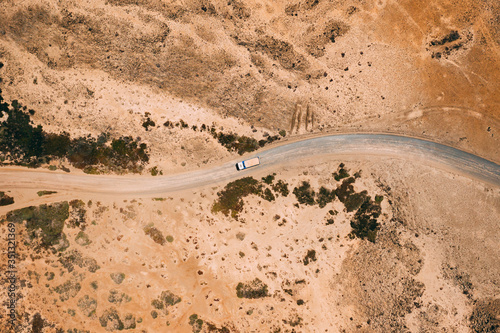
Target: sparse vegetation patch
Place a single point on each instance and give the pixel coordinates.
(305, 194)
(82, 239)
(155, 234)
(87, 305)
(195, 323)
(117, 277)
(230, 199)
(485, 317)
(341, 172)
(110, 319)
(67, 290)
(22, 143)
(45, 223)
(5, 199)
(365, 222)
(281, 187)
(73, 257)
(116, 297)
(231, 141)
(42, 193)
(78, 214)
(348, 196)
(325, 196)
(252, 289)
(310, 257)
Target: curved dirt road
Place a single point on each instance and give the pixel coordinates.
(348, 145)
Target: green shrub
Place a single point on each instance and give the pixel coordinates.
(246, 145)
(268, 195)
(364, 223)
(42, 193)
(117, 297)
(5, 199)
(355, 200)
(31, 145)
(193, 318)
(233, 142)
(87, 305)
(281, 187)
(129, 322)
(148, 123)
(346, 194)
(155, 234)
(305, 194)
(252, 289)
(77, 215)
(111, 320)
(117, 277)
(341, 173)
(310, 257)
(50, 276)
(157, 304)
(67, 290)
(325, 196)
(268, 179)
(45, 222)
(195, 323)
(169, 298)
(155, 171)
(230, 199)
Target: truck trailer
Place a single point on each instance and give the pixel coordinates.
(248, 163)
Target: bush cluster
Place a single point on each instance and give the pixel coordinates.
(26, 144)
(231, 141)
(341, 173)
(252, 289)
(365, 221)
(310, 257)
(305, 194)
(45, 222)
(230, 200)
(155, 234)
(5, 199)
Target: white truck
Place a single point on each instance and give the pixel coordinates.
(248, 163)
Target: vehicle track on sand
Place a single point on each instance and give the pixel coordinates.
(411, 149)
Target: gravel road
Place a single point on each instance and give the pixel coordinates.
(364, 145)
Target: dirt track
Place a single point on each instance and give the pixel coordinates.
(350, 144)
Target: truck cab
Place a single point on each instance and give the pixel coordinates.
(240, 166)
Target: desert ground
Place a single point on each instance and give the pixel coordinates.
(330, 243)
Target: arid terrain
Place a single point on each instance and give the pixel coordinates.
(152, 88)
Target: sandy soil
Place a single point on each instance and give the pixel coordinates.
(433, 261)
(100, 66)
(421, 68)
